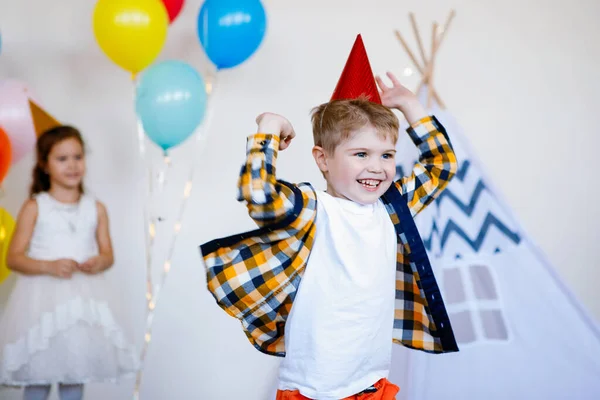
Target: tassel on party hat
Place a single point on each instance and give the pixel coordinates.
(41, 119)
(357, 78)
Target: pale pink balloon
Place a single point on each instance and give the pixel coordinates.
(15, 117)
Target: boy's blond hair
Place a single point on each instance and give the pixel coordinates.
(333, 122)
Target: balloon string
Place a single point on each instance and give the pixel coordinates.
(153, 292)
(200, 143)
(149, 224)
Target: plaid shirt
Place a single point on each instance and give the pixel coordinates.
(255, 276)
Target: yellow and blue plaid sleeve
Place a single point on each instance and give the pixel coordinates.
(436, 166)
(268, 200)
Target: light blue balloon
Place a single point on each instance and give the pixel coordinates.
(231, 30)
(171, 102)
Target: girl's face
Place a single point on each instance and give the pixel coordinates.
(66, 164)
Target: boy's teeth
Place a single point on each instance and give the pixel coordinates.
(369, 182)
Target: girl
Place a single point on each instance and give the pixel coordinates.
(56, 328)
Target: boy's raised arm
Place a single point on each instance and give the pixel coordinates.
(436, 165)
(268, 200)
(437, 162)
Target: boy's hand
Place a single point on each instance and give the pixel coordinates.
(276, 125)
(400, 98)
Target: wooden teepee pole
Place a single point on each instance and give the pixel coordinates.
(413, 23)
(426, 69)
(410, 53)
(421, 69)
(434, 41)
(435, 47)
(446, 27)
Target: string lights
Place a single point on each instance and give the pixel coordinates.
(153, 290)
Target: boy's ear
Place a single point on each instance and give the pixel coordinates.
(320, 158)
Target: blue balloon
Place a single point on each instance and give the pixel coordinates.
(170, 101)
(231, 30)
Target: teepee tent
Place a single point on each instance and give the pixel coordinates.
(521, 333)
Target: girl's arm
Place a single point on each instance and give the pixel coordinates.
(18, 261)
(104, 260)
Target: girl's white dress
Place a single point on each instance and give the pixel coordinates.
(61, 330)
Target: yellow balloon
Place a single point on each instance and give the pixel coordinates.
(131, 32)
(7, 227)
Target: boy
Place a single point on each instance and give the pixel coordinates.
(368, 281)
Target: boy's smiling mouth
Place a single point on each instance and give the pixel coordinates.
(369, 184)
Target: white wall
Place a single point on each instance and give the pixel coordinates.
(520, 76)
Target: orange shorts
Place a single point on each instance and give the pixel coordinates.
(385, 391)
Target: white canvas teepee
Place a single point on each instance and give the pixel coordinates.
(521, 333)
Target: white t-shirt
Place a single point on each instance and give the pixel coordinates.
(338, 336)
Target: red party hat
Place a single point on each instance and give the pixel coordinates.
(357, 78)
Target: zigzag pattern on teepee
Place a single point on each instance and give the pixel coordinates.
(452, 227)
